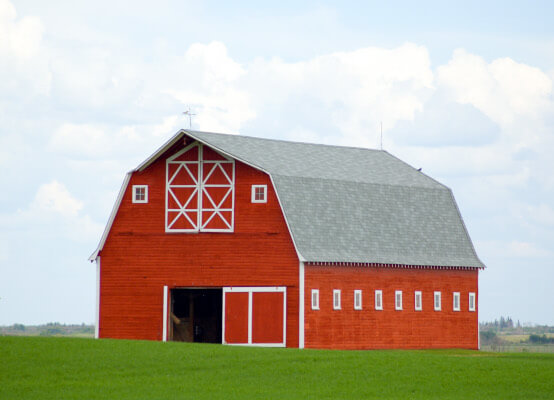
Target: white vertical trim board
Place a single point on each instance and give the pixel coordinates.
(97, 316)
(164, 328)
(250, 290)
(285, 318)
(301, 311)
(250, 317)
(223, 317)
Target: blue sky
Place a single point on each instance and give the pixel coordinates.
(89, 89)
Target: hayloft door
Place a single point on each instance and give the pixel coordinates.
(200, 186)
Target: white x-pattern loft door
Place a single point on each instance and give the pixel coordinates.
(199, 191)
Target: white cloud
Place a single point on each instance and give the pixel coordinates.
(355, 90)
(208, 79)
(503, 89)
(23, 63)
(54, 197)
(53, 212)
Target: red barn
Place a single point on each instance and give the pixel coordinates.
(241, 240)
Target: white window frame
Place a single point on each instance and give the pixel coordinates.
(398, 304)
(417, 295)
(357, 299)
(315, 296)
(456, 296)
(336, 299)
(135, 192)
(253, 196)
(439, 306)
(379, 300)
(471, 306)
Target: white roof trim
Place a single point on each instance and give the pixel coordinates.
(174, 139)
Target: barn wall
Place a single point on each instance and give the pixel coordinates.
(371, 329)
(139, 258)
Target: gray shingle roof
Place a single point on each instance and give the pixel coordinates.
(347, 204)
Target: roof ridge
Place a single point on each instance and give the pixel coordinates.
(285, 141)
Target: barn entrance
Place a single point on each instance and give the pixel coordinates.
(196, 315)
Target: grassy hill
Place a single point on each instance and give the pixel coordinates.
(73, 368)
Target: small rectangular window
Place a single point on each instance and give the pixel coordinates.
(336, 299)
(315, 299)
(456, 301)
(259, 193)
(378, 299)
(471, 301)
(140, 194)
(398, 300)
(417, 301)
(357, 299)
(437, 298)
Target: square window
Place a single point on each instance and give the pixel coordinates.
(417, 301)
(398, 300)
(140, 194)
(259, 193)
(357, 299)
(437, 298)
(471, 301)
(315, 299)
(456, 301)
(378, 299)
(336, 299)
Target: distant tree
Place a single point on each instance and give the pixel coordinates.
(540, 339)
(18, 327)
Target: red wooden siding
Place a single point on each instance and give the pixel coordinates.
(371, 329)
(139, 257)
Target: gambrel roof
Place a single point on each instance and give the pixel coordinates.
(351, 205)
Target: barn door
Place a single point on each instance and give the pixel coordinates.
(254, 316)
(199, 191)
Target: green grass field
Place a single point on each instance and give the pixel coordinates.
(72, 368)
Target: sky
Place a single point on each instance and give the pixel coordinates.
(88, 90)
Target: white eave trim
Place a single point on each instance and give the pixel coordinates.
(112, 216)
(174, 139)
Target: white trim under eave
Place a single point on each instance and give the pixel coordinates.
(112, 216)
(97, 316)
(301, 301)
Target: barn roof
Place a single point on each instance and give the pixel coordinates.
(353, 205)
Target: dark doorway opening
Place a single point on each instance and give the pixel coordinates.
(196, 315)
